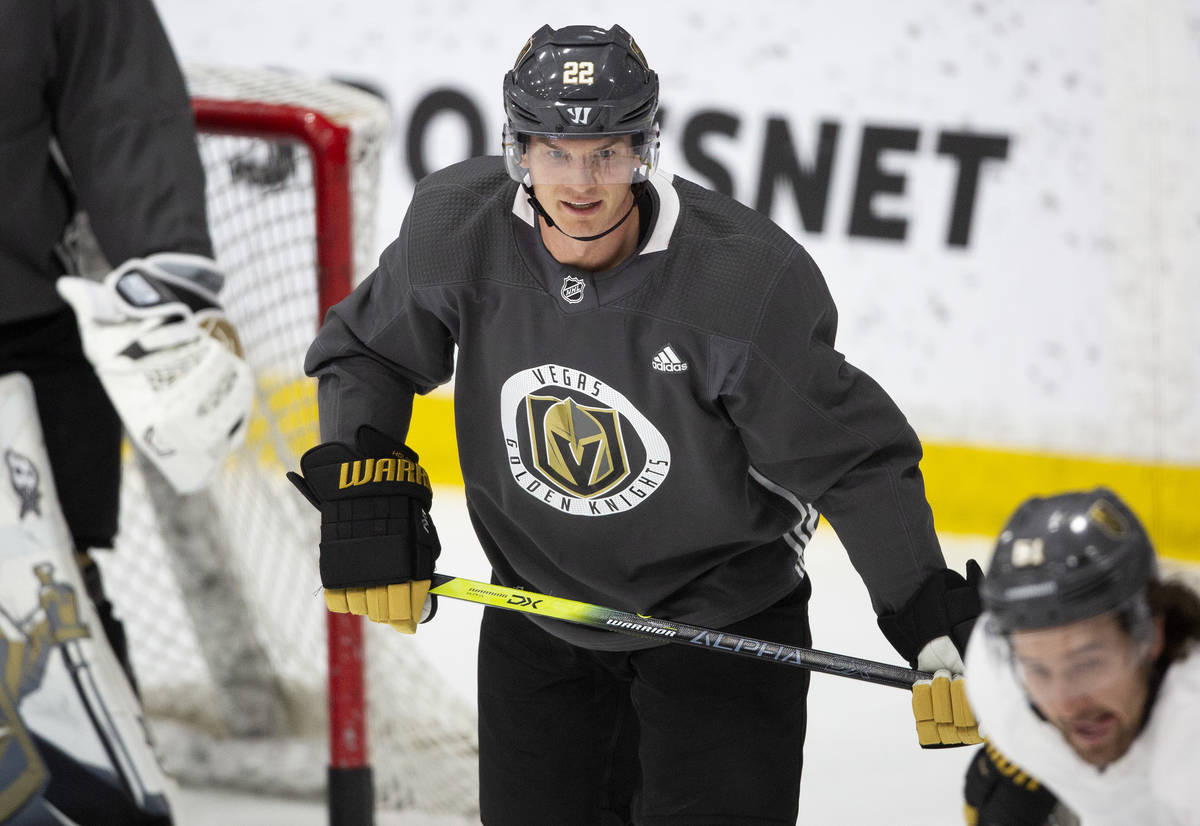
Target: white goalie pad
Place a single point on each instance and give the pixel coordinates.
(169, 360)
(61, 682)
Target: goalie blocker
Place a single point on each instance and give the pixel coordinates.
(76, 739)
(170, 361)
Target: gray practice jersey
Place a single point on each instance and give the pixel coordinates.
(658, 437)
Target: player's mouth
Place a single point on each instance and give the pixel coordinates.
(581, 208)
(1093, 729)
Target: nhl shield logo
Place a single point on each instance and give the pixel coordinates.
(572, 289)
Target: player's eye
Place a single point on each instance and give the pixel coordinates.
(1087, 668)
(1035, 671)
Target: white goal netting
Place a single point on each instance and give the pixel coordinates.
(219, 590)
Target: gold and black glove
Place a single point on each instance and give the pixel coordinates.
(942, 713)
(378, 543)
(998, 792)
(931, 631)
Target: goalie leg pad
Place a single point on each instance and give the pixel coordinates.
(114, 629)
(23, 773)
(61, 675)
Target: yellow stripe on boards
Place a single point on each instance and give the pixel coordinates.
(973, 490)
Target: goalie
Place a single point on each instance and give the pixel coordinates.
(98, 122)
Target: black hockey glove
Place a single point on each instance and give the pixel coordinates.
(378, 543)
(931, 631)
(998, 792)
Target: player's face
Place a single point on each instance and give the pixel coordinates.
(584, 183)
(1090, 680)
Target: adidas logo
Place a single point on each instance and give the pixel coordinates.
(665, 361)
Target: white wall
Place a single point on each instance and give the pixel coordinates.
(1065, 320)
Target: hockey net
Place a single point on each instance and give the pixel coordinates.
(219, 591)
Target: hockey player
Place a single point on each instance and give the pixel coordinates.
(96, 119)
(651, 415)
(1085, 670)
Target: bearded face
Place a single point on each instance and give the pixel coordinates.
(1090, 679)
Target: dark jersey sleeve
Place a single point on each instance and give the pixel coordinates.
(124, 121)
(828, 433)
(376, 349)
(98, 79)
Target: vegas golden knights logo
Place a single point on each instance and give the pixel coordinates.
(577, 447)
(577, 444)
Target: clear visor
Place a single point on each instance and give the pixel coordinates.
(556, 160)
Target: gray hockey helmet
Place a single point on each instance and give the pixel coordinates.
(581, 81)
(1065, 558)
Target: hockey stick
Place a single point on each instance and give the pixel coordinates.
(610, 619)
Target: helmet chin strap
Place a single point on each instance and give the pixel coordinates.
(540, 210)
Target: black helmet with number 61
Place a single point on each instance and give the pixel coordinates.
(1066, 558)
(581, 82)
